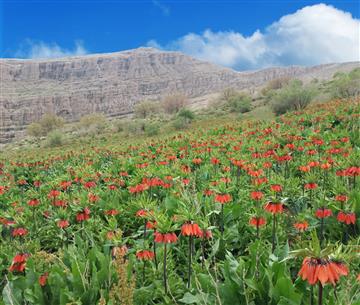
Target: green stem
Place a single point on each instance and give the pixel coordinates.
(165, 275)
(190, 255)
(320, 294)
(273, 233)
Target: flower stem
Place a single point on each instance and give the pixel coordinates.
(155, 257)
(222, 220)
(165, 275)
(320, 294)
(190, 255)
(273, 233)
(144, 273)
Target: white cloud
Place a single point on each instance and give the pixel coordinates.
(40, 49)
(313, 35)
(164, 9)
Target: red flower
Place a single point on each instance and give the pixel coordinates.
(19, 232)
(89, 184)
(223, 198)
(274, 208)
(322, 270)
(85, 215)
(215, 161)
(112, 212)
(191, 229)
(43, 279)
(63, 223)
(256, 195)
(347, 218)
(208, 192)
(341, 198)
(19, 262)
(165, 238)
(276, 188)
(151, 225)
(33, 202)
(145, 255)
(301, 226)
(257, 221)
(141, 213)
(323, 213)
(197, 161)
(53, 194)
(311, 186)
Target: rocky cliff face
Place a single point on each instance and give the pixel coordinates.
(113, 83)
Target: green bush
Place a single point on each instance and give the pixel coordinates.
(293, 96)
(152, 129)
(180, 123)
(34, 130)
(46, 124)
(345, 85)
(239, 103)
(93, 123)
(186, 114)
(54, 138)
(144, 109)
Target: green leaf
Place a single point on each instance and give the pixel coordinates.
(188, 298)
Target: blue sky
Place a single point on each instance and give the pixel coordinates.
(238, 34)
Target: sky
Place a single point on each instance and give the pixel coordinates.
(234, 33)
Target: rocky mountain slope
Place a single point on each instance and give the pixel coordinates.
(112, 83)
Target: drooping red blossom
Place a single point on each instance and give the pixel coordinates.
(341, 198)
(63, 223)
(145, 255)
(141, 213)
(301, 226)
(19, 262)
(191, 229)
(310, 186)
(43, 278)
(223, 198)
(257, 221)
(323, 213)
(112, 212)
(19, 232)
(274, 208)
(84, 215)
(53, 194)
(33, 202)
(276, 188)
(165, 238)
(256, 195)
(316, 270)
(348, 218)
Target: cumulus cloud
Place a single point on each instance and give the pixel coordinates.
(312, 35)
(40, 49)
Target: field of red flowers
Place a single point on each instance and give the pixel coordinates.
(248, 213)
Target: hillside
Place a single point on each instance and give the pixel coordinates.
(112, 83)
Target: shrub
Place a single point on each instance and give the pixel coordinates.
(345, 85)
(50, 122)
(294, 96)
(146, 108)
(152, 129)
(54, 138)
(228, 93)
(187, 114)
(180, 123)
(94, 122)
(239, 102)
(173, 103)
(34, 130)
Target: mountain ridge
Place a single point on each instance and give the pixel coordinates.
(112, 83)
